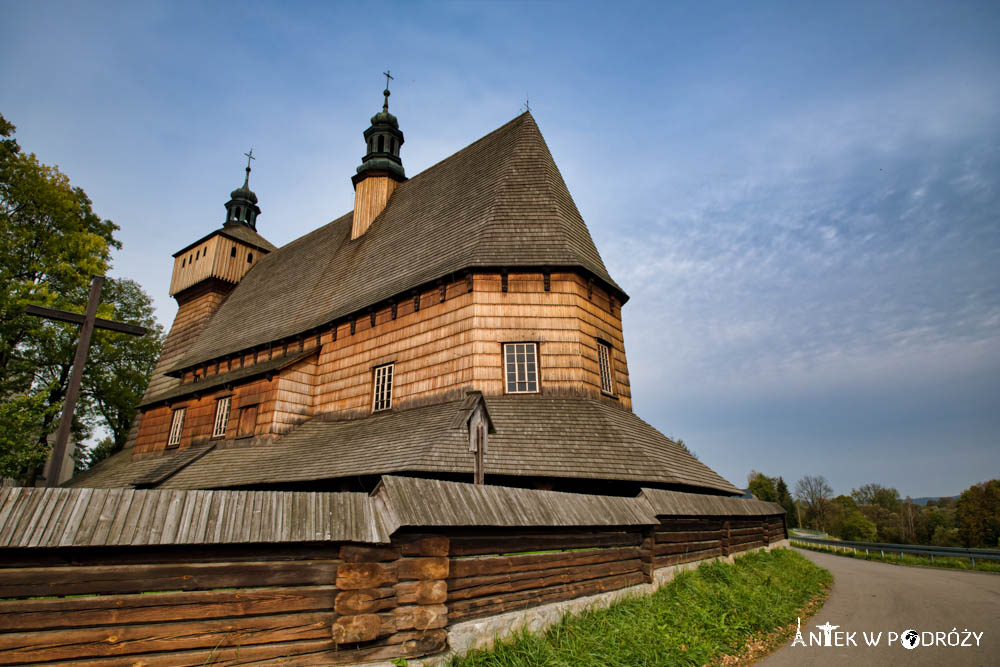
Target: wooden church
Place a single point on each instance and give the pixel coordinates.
(456, 325)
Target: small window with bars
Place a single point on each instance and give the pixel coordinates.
(221, 417)
(176, 426)
(604, 361)
(521, 365)
(382, 399)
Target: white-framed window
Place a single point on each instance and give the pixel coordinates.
(382, 398)
(604, 361)
(221, 416)
(521, 367)
(176, 426)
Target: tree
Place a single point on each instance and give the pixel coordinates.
(785, 498)
(683, 445)
(762, 486)
(977, 515)
(815, 492)
(876, 494)
(51, 243)
(855, 527)
(21, 419)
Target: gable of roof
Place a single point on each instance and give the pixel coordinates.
(499, 202)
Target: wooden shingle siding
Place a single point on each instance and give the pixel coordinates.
(194, 311)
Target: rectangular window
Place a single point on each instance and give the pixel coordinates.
(521, 364)
(382, 399)
(221, 417)
(176, 426)
(604, 361)
(248, 422)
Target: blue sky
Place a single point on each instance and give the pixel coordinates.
(801, 199)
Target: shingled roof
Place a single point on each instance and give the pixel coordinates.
(500, 202)
(535, 436)
(237, 232)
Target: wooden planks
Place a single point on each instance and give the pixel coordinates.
(119, 640)
(54, 613)
(490, 585)
(104, 579)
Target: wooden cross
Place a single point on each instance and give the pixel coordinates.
(88, 322)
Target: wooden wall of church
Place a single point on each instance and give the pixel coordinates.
(567, 322)
(430, 346)
(258, 398)
(294, 396)
(454, 345)
(442, 342)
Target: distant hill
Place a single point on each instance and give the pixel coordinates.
(924, 499)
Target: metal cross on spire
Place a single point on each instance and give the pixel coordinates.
(246, 181)
(388, 77)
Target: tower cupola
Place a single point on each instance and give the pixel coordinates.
(383, 139)
(242, 209)
(381, 168)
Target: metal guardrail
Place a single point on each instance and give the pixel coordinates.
(914, 549)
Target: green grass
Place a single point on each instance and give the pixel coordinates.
(702, 615)
(982, 564)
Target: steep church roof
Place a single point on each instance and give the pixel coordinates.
(535, 436)
(500, 202)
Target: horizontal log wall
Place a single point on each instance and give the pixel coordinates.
(491, 575)
(687, 539)
(324, 603)
(331, 604)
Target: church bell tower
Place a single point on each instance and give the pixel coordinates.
(381, 168)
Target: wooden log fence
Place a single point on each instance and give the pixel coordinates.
(325, 601)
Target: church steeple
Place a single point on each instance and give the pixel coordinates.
(383, 139)
(242, 209)
(381, 168)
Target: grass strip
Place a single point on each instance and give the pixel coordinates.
(895, 558)
(720, 613)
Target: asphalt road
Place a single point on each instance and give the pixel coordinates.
(877, 597)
